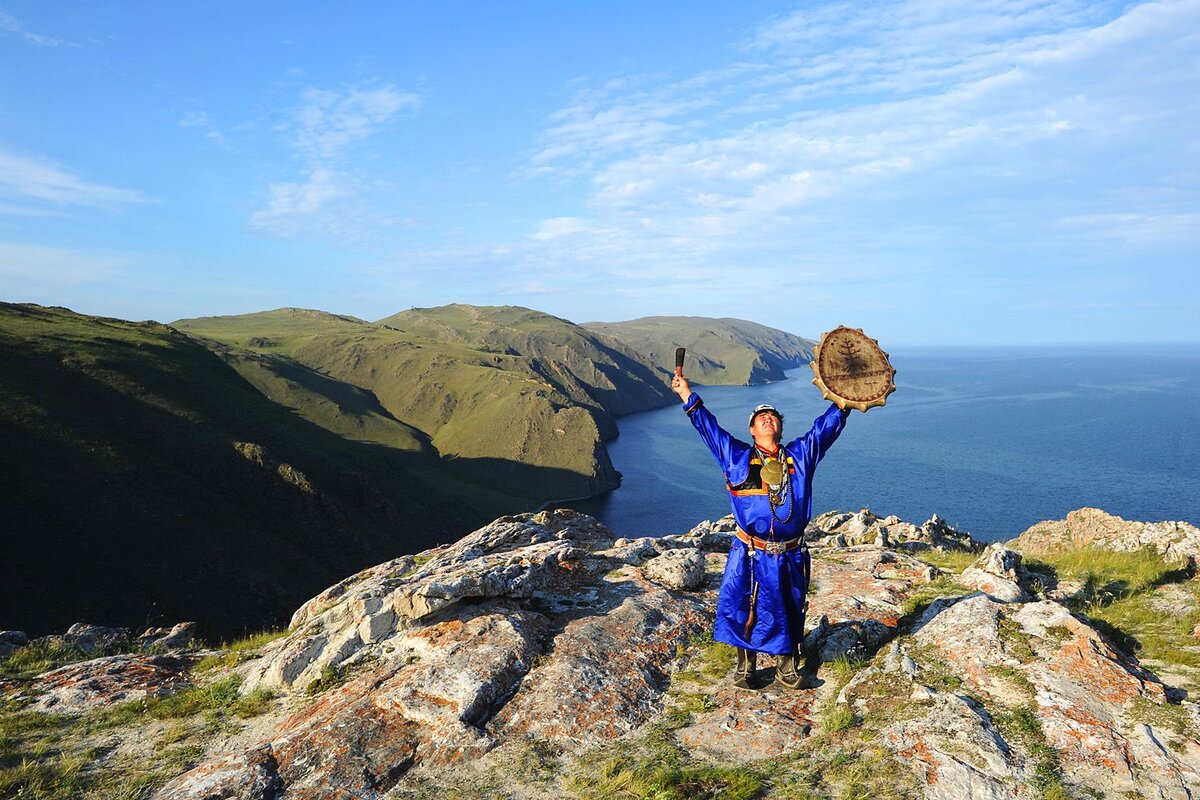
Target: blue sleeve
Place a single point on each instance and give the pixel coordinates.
(812, 445)
(731, 454)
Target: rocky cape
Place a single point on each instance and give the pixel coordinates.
(282, 450)
(544, 656)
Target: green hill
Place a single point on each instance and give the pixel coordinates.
(146, 482)
(720, 351)
(499, 389)
(226, 468)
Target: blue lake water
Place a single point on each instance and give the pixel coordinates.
(992, 439)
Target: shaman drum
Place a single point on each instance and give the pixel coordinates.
(850, 369)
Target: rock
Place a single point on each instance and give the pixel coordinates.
(11, 641)
(100, 682)
(1090, 527)
(1173, 600)
(95, 638)
(517, 557)
(178, 637)
(750, 726)
(676, 569)
(1080, 688)
(864, 527)
(606, 674)
(540, 631)
(252, 775)
(360, 738)
(998, 574)
(955, 751)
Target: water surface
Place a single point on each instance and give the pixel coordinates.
(992, 439)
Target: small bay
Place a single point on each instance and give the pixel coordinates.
(992, 439)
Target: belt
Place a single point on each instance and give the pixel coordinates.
(774, 548)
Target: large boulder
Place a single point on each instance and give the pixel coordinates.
(100, 682)
(677, 569)
(997, 573)
(1090, 527)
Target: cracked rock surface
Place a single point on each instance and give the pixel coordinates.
(493, 667)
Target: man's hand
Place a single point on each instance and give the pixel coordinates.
(679, 385)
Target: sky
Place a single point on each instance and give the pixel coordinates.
(936, 173)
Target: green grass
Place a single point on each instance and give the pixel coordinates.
(845, 767)
(1020, 724)
(655, 768)
(240, 650)
(843, 668)
(922, 594)
(41, 656)
(1109, 573)
(44, 778)
(709, 660)
(220, 696)
(954, 561)
(1117, 598)
(50, 757)
(1165, 717)
(1016, 642)
(1145, 631)
(838, 718)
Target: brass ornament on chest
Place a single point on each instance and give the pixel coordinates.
(772, 472)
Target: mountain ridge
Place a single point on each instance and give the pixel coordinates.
(287, 423)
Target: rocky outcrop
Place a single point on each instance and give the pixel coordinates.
(862, 527)
(997, 573)
(1034, 691)
(100, 682)
(545, 634)
(178, 637)
(676, 569)
(533, 626)
(10, 641)
(1091, 527)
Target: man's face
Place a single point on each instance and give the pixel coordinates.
(766, 426)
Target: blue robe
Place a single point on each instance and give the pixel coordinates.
(783, 578)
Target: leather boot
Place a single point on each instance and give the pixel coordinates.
(743, 674)
(788, 675)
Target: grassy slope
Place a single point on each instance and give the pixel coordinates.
(594, 370)
(520, 399)
(720, 351)
(128, 503)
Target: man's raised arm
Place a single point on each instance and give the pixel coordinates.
(727, 450)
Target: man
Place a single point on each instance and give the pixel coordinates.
(761, 605)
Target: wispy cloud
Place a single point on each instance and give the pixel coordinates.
(937, 128)
(11, 24)
(201, 122)
(25, 178)
(330, 198)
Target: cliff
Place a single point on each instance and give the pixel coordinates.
(277, 451)
(542, 656)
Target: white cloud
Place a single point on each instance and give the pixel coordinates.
(11, 24)
(200, 121)
(330, 121)
(330, 199)
(28, 178)
(1012, 112)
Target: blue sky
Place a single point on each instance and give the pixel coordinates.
(978, 172)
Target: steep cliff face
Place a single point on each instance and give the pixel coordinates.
(143, 480)
(541, 656)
